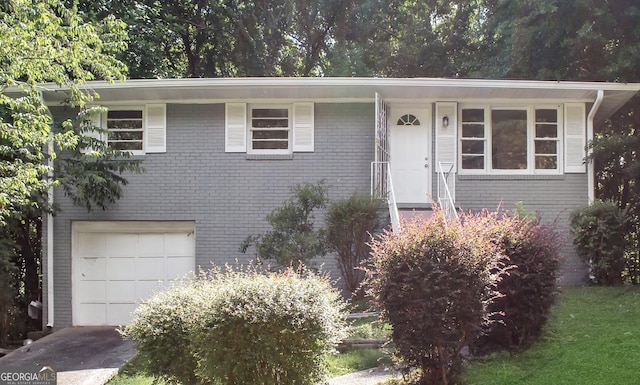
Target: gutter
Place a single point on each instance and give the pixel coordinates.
(591, 175)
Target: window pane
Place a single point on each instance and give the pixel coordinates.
(509, 135)
(546, 147)
(270, 134)
(546, 162)
(473, 130)
(270, 145)
(124, 124)
(125, 135)
(546, 131)
(472, 162)
(126, 146)
(546, 116)
(473, 147)
(473, 115)
(125, 114)
(269, 113)
(266, 123)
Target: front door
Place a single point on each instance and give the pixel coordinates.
(410, 150)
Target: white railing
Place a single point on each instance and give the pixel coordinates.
(447, 189)
(382, 187)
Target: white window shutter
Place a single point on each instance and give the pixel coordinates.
(235, 127)
(303, 127)
(575, 137)
(446, 136)
(156, 128)
(95, 120)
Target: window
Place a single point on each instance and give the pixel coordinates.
(472, 139)
(546, 139)
(408, 120)
(509, 140)
(270, 129)
(125, 130)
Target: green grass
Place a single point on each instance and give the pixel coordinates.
(594, 338)
(355, 360)
(339, 364)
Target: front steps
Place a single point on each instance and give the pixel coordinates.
(410, 212)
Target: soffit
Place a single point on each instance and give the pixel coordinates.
(356, 89)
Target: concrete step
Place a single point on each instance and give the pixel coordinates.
(419, 213)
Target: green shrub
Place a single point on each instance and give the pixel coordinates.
(350, 224)
(432, 284)
(292, 240)
(529, 253)
(599, 238)
(268, 329)
(241, 328)
(161, 329)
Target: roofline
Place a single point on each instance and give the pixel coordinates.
(355, 81)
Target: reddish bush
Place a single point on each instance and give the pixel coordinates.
(529, 253)
(432, 284)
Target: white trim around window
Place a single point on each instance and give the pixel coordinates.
(269, 128)
(510, 140)
(139, 129)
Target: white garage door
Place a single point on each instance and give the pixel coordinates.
(117, 265)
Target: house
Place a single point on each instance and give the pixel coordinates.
(221, 154)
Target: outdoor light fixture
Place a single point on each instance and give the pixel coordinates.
(445, 121)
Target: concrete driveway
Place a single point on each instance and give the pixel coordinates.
(80, 355)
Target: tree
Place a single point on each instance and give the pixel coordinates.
(351, 223)
(42, 42)
(293, 241)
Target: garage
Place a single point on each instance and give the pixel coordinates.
(117, 265)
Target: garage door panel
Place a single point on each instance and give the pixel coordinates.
(92, 268)
(151, 245)
(121, 245)
(145, 289)
(92, 314)
(121, 268)
(179, 266)
(93, 291)
(179, 245)
(120, 313)
(150, 268)
(121, 291)
(91, 245)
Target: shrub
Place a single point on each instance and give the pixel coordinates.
(599, 238)
(241, 328)
(268, 329)
(162, 329)
(292, 239)
(350, 223)
(432, 287)
(529, 253)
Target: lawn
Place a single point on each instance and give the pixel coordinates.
(593, 339)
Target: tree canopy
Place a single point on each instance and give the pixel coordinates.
(41, 42)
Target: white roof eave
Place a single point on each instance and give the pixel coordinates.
(362, 89)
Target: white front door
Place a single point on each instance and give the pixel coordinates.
(410, 150)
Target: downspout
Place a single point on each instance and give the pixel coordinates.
(591, 175)
(50, 298)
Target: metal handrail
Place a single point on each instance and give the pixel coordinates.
(446, 202)
(382, 187)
